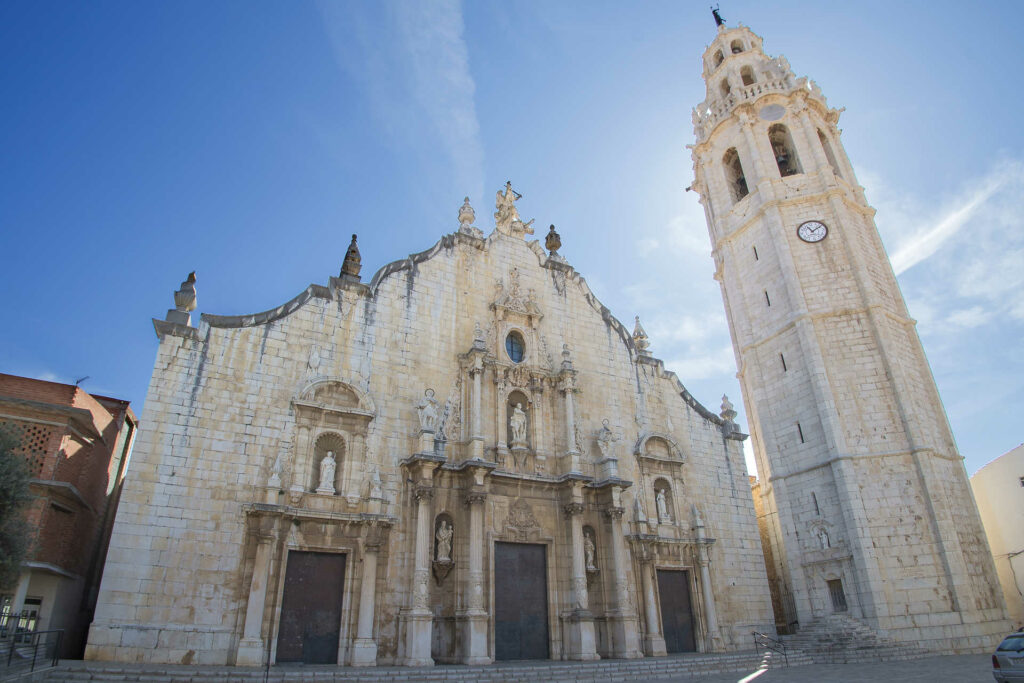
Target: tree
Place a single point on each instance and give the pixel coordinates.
(14, 499)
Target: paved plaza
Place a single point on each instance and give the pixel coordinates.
(952, 669)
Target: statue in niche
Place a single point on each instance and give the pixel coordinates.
(375, 485)
(328, 466)
(428, 412)
(662, 501)
(588, 551)
(518, 424)
(823, 538)
(605, 439)
(444, 541)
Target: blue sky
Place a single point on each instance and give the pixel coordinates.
(249, 140)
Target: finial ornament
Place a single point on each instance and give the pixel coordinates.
(553, 241)
(641, 339)
(184, 302)
(353, 261)
(466, 218)
(719, 21)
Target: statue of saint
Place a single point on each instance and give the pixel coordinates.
(518, 424)
(328, 466)
(823, 538)
(662, 501)
(428, 411)
(505, 203)
(588, 551)
(605, 437)
(444, 541)
(375, 485)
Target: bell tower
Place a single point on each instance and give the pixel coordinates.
(865, 507)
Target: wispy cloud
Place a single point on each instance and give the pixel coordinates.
(414, 65)
(927, 239)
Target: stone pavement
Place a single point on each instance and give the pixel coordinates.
(950, 669)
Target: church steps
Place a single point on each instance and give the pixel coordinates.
(639, 669)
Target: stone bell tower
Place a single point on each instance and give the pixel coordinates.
(864, 500)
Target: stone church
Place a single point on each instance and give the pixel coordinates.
(314, 483)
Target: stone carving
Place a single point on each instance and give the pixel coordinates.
(520, 516)
(640, 338)
(518, 424)
(274, 481)
(662, 501)
(638, 508)
(578, 438)
(450, 426)
(479, 338)
(421, 596)
(579, 589)
(466, 217)
(444, 541)
(376, 486)
(184, 302)
(513, 298)
(353, 261)
(588, 551)
(698, 520)
(314, 358)
(506, 218)
(519, 376)
(823, 538)
(328, 466)
(553, 241)
(606, 439)
(428, 411)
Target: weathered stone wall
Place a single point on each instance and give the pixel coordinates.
(229, 458)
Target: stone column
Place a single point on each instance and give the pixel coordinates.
(714, 638)
(364, 650)
(581, 641)
(622, 619)
(477, 447)
(568, 387)
(475, 616)
(419, 619)
(654, 642)
(301, 456)
(251, 648)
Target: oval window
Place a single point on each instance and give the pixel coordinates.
(515, 347)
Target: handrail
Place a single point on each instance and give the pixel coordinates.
(766, 641)
(35, 639)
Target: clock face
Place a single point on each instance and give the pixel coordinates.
(812, 231)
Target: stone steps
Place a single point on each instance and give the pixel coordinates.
(841, 639)
(647, 669)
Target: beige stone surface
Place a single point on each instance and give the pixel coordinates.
(999, 490)
(241, 410)
(861, 482)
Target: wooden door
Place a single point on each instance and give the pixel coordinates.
(311, 608)
(520, 601)
(676, 612)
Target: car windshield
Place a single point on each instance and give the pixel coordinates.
(1014, 643)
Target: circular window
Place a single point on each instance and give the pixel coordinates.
(515, 346)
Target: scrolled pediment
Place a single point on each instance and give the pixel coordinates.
(335, 396)
(658, 446)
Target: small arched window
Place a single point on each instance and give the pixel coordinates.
(784, 151)
(828, 153)
(747, 74)
(725, 87)
(737, 47)
(719, 58)
(734, 175)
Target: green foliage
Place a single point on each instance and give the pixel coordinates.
(14, 499)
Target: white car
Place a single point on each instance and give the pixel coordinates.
(1008, 660)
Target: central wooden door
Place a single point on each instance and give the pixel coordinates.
(311, 608)
(520, 601)
(676, 612)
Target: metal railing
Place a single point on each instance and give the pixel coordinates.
(22, 649)
(765, 641)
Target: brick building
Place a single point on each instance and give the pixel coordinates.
(77, 446)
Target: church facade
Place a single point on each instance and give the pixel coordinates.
(465, 459)
(863, 498)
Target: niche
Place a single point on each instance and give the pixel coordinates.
(663, 501)
(517, 420)
(719, 58)
(828, 153)
(736, 47)
(734, 175)
(747, 74)
(784, 151)
(328, 455)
